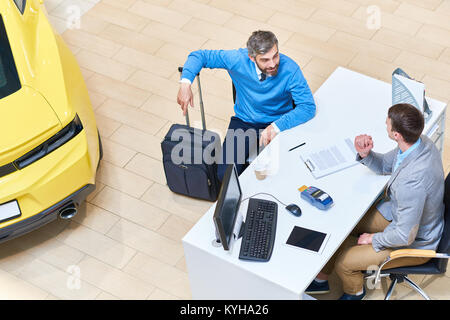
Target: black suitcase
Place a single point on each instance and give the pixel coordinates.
(189, 158)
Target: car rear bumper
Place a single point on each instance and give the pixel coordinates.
(34, 222)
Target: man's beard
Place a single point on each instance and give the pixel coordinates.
(269, 72)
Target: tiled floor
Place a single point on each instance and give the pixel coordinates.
(126, 242)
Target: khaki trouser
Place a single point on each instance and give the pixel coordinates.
(351, 259)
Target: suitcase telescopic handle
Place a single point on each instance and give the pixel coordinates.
(202, 110)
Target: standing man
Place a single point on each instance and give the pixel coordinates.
(271, 94)
(410, 215)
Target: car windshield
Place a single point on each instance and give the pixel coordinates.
(9, 79)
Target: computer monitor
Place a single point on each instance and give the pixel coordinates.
(227, 207)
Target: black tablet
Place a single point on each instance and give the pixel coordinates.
(307, 239)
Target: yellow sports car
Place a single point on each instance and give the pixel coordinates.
(49, 143)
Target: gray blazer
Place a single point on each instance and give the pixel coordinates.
(414, 194)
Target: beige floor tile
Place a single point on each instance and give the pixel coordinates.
(106, 126)
(92, 24)
(443, 6)
(186, 208)
(174, 36)
(49, 250)
(404, 26)
(105, 296)
(159, 274)
(132, 209)
(216, 32)
(159, 294)
(96, 218)
(93, 43)
(131, 116)
(301, 26)
(119, 17)
(114, 281)
(383, 5)
(437, 87)
(138, 141)
(115, 153)
(97, 99)
(423, 64)
(365, 47)
(146, 241)
(175, 228)
(341, 6)
(146, 62)
(160, 14)
(123, 180)
(200, 11)
(147, 167)
(131, 39)
(297, 8)
(301, 58)
(118, 90)
(61, 284)
(182, 264)
(429, 4)
(122, 4)
(243, 8)
(97, 245)
(247, 26)
(445, 56)
(170, 110)
(342, 23)
(320, 67)
(320, 49)
(173, 53)
(104, 66)
(13, 259)
(375, 68)
(435, 34)
(422, 15)
(155, 84)
(417, 45)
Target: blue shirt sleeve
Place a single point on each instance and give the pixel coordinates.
(305, 108)
(213, 59)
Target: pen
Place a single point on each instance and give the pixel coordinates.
(297, 146)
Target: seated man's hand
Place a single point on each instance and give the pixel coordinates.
(267, 135)
(185, 97)
(363, 145)
(365, 238)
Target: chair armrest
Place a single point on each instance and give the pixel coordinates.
(404, 253)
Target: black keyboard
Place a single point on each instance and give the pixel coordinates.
(259, 231)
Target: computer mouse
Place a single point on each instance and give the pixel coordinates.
(294, 209)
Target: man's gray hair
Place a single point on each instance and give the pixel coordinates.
(260, 42)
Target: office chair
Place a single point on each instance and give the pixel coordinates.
(437, 265)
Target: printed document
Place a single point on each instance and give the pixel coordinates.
(333, 158)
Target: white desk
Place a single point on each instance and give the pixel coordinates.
(348, 104)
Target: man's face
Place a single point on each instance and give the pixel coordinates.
(269, 62)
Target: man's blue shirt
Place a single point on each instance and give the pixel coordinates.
(259, 101)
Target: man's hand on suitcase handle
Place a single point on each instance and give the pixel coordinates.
(185, 97)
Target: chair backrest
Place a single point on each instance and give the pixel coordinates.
(444, 244)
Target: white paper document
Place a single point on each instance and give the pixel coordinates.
(405, 90)
(330, 159)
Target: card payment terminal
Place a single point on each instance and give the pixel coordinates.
(316, 197)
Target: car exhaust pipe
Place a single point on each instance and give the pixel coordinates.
(68, 211)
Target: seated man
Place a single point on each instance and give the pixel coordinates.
(410, 214)
(267, 84)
